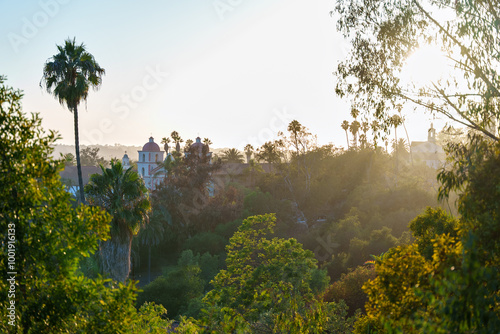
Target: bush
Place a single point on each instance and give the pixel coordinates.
(349, 288)
(206, 242)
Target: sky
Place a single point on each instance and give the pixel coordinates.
(235, 71)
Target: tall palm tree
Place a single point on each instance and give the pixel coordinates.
(125, 197)
(248, 152)
(207, 142)
(177, 140)
(345, 126)
(68, 75)
(396, 121)
(354, 130)
(165, 141)
(375, 127)
(232, 155)
(365, 126)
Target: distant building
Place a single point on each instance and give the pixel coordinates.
(151, 157)
(428, 152)
(149, 164)
(199, 149)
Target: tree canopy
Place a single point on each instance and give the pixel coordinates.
(383, 34)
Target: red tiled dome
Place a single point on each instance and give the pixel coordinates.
(151, 146)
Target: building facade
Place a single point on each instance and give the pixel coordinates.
(149, 164)
(428, 152)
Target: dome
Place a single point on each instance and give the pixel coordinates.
(198, 144)
(151, 146)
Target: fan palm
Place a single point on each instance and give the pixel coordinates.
(354, 128)
(68, 75)
(232, 155)
(125, 197)
(248, 151)
(345, 126)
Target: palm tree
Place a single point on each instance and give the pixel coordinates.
(253, 167)
(232, 155)
(354, 130)
(68, 75)
(365, 126)
(396, 121)
(165, 141)
(177, 140)
(125, 197)
(207, 142)
(248, 152)
(375, 127)
(345, 126)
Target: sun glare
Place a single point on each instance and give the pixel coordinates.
(425, 66)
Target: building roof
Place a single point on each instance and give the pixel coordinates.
(197, 145)
(151, 146)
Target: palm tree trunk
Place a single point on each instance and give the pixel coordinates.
(347, 138)
(115, 257)
(149, 263)
(77, 149)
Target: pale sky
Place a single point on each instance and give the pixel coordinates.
(235, 71)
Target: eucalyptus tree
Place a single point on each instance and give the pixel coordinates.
(383, 35)
(68, 75)
(124, 196)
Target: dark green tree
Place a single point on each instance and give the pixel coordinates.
(68, 75)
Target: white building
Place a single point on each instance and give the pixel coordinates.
(151, 157)
(149, 164)
(429, 152)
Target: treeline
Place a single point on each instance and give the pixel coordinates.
(343, 206)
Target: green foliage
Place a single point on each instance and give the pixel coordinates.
(122, 194)
(51, 238)
(427, 226)
(384, 34)
(267, 285)
(206, 242)
(89, 156)
(259, 203)
(448, 280)
(178, 287)
(151, 319)
(349, 288)
(180, 199)
(227, 230)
